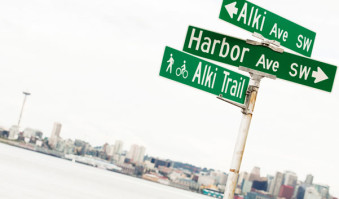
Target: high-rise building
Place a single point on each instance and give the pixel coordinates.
(132, 151)
(309, 179)
(55, 135)
(242, 176)
(276, 184)
(291, 178)
(118, 147)
(299, 183)
(136, 153)
(246, 186)
(139, 158)
(255, 174)
(109, 149)
(270, 180)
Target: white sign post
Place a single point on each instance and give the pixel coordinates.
(247, 112)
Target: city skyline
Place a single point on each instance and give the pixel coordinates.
(94, 67)
(136, 154)
(185, 176)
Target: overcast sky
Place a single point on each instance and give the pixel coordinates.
(94, 67)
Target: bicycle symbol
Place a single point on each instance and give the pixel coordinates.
(182, 71)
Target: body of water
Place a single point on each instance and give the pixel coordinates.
(27, 174)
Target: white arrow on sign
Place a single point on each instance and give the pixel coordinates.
(231, 9)
(319, 75)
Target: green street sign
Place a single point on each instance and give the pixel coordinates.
(203, 75)
(253, 18)
(237, 52)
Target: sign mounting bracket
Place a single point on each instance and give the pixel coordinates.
(242, 106)
(256, 77)
(272, 44)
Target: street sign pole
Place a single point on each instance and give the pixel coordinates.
(242, 136)
(247, 113)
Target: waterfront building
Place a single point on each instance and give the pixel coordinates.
(118, 147)
(126, 168)
(136, 154)
(206, 180)
(29, 132)
(32, 135)
(149, 165)
(13, 132)
(4, 133)
(121, 159)
(151, 177)
(109, 150)
(220, 177)
(132, 151)
(39, 143)
(185, 183)
(176, 173)
(81, 147)
(65, 146)
(55, 135)
(139, 157)
(116, 157)
(164, 170)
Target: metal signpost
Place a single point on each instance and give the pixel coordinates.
(253, 18)
(242, 134)
(262, 56)
(200, 74)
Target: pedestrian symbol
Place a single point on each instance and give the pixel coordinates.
(171, 62)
